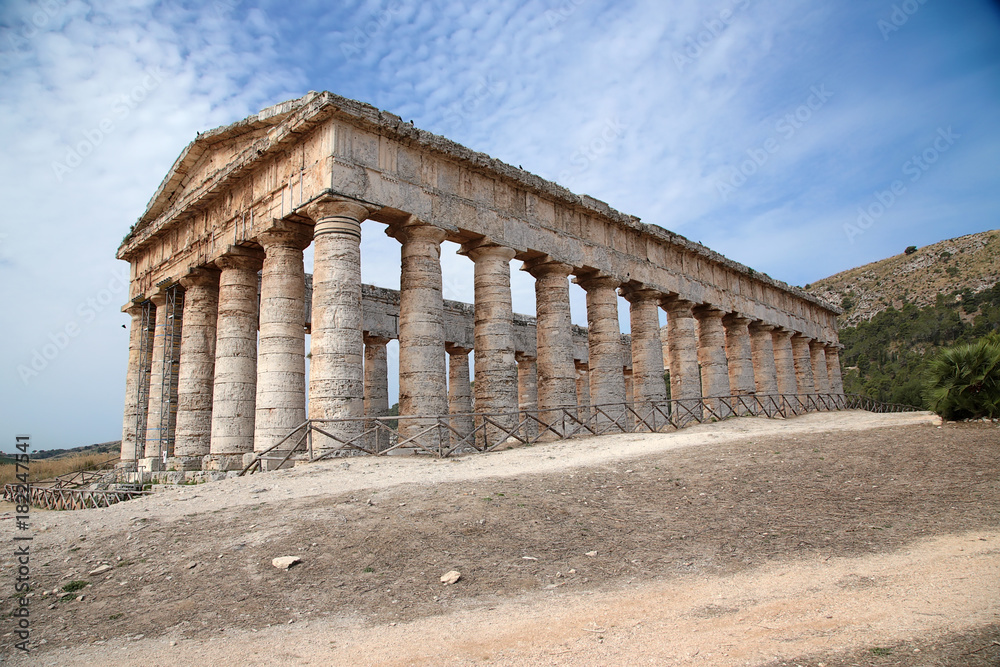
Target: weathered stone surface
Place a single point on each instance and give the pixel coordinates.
(821, 380)
(556, 371)
(762, 347)
(739, 355)
(285, 562)
(377, 386)
(527, 390)
(833, 369)
(134, 419)
(235, 388)
(196, 374)
(459, 393)
(712, 358)
(682, 350)
(647, 348)
(784, 361)
(803, 365)
(281, 366)
(156, 438)
(607, 383)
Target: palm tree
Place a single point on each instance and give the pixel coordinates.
(964, 381)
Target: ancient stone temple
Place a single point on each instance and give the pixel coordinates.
(220, 302)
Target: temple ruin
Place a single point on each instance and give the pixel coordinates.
(220, 302)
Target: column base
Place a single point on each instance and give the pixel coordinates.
(184, 463)
(150, 464)
(223, 462)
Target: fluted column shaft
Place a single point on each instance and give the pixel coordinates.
(281, 365)
(336, 370)
(196, 373)
(156, 439)
(496, 368)
(682, 350)
(377, 385)
(647, 348)
(803, 365)
(459, 392)
(556, 371)
(604, 347)
(821, 379)
(764, 370)
(712, 357)
(423, 388)
(739, 355)
(784, 362)
(527, 392)
(235, 388)
(833, 370)
(134, 423)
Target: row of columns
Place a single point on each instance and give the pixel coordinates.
(237, 395)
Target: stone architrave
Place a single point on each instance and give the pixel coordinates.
(554, 342)
(712, 357)
(495, 366)
(377, 387)
(196, 373)
(682, 349)
(604, 344)
(337, 347)
(739, 356)
(133, 423)
(423, 389)
(281, 356)
(234, 391)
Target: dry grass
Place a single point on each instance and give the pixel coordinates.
(48, 468)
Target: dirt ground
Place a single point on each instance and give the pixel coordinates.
(830, 539)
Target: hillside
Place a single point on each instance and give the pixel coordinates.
(966, 263)
(111, 448)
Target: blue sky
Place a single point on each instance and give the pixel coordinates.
(762, 130)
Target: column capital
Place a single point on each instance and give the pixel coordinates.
(135, 308)
(636, 293)
(414, 229)
(736, 320)
(203, 276)
(818, 344)
(451, 348)
(798, 335)
(328, 207)
(376, 340)
(239, 257)
(546, 266)
(708, 310)
(286, 233)
(597, 280)
(159, 298)
(521, 356)
(674, 305)
(760, 325)
(484, 247)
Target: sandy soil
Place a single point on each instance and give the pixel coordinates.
(837, 539)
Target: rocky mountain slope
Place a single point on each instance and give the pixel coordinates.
(916, 276)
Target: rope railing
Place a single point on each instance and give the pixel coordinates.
(320, 439)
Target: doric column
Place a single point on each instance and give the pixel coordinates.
(739, 356)
(554, 339)
(140, 347)
(496, 368)
(235, 389)
(281, 357)
(604, 348)
(682, 349)
(582, 391)
(527, 391)
(762, 347)
(336, 368)
(377, 386)
(817, 351)
(712, 357)
(803, 365)
(459, 392)
(647, 348)
(162, 382)
(833, 369)
(423, 389)
(196, 374)
(784, 362)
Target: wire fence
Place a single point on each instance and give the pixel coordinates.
(440, 435)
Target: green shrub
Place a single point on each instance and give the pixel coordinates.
(964, 381)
